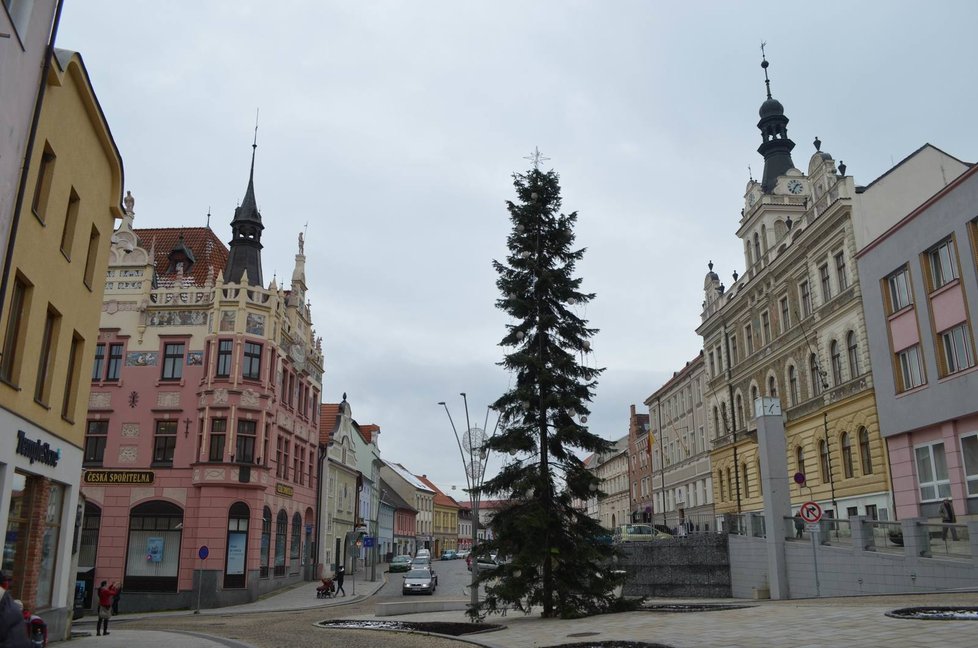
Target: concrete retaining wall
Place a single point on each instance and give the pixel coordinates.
(694, 566)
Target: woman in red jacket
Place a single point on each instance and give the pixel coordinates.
(105, 596)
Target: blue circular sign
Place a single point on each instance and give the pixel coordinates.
(203, 552)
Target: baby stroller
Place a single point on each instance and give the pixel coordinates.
(327, 589)
(37, 630)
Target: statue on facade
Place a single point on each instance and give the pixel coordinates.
(302, 244)
(129, 202)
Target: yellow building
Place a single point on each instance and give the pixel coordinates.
(51, 307)
(444, 520)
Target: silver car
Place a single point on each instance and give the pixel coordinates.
(419, 581)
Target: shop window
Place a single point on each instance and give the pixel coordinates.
(237, 546)
(153, 557)
(281, 531)
(969, 450)
(266, 539)
(50, 534)
(295, 550)
(932, 477)
(88, 549)
(95, 437)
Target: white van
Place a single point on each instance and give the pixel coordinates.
(423, 553)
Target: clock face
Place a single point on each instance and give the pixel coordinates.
(298, 353)
(794, 186)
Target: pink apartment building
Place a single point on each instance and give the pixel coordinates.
(202, 426)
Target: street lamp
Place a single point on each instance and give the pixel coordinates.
(472, 450)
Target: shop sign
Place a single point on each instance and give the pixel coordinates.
(37, 450)
(111, 477)
(282, 489)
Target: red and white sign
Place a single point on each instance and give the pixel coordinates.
(811, 512)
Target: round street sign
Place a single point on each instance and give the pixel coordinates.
(811, 512)
(203, 552)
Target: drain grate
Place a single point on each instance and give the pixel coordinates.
(938, 613)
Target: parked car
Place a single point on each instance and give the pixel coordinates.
(639, 533)
(485, 563)
(462, 553)
(449, 554)
(419, 581)
(401, 564)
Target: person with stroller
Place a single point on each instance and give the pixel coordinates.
(37, 629)
(327, 589)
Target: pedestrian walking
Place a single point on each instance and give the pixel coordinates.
(948, 517)
(799, 525)
(338, 579)
(106, 593)
(13, 631)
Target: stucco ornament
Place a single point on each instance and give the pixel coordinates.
(130, 430)
(221, 396)
(249, 398)
(127, 454)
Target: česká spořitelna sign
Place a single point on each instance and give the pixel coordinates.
(120, 477)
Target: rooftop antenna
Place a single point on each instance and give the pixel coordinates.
(764, 64)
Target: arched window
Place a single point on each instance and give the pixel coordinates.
(723, 495)
(281, 531)
(266, 540)
(296, 549)
(823, 458)
(730, 486)
(753, 398)
(814, 375)
(237, 546)
(800, 459)
(757, 247)
(739, 420)
(760, 486)
(716, 422)
(865, 454)
(836, 363)
(846, 455)
(743, 473)
(772, 387)
(723, 413)
(764, 237)
(793, 384)
(153, 559)
(853, 349)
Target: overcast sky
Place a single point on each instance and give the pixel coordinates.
(393, 129)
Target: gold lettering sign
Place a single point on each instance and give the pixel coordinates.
(119, 477)
(282, 489)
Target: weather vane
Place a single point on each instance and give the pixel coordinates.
(764, 64)
(536, 158)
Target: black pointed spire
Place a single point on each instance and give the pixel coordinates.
(775, 147)
(246, 228)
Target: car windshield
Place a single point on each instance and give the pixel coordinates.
(638, 530)
(418, 573)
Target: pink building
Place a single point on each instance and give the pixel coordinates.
(203, 423)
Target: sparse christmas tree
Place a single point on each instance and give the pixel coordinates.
(552, 557)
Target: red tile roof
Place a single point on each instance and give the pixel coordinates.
(210, 253)
(367, 431)
(441, 499)
(329, 418)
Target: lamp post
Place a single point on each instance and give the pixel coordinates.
(472, 445)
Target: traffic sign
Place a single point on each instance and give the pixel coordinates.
(368, 541)
(811, 512)
(203, 552)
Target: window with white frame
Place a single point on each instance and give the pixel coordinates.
(942, 263)
(840, 271)
(806, 299)
(956, 344)
(932, 475)
(969, 450)
(898, 289)
(910, 373)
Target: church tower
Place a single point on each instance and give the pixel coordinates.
(244, 258)
(776, 147)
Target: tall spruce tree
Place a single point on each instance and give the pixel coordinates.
(554, 561)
